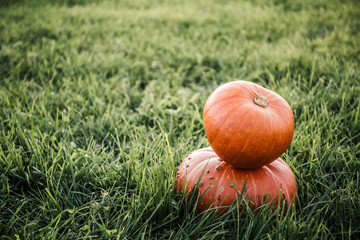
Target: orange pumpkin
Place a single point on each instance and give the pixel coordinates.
(247, 125)
(219, 183)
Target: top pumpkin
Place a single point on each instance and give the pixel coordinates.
(247, 125)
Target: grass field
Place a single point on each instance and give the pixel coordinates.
(101, 100)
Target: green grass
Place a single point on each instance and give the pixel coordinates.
(101, 100)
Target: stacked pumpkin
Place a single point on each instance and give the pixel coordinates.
(248, 128)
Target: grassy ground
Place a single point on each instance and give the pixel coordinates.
(101, 101)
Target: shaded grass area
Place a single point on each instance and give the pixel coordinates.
(101, 100)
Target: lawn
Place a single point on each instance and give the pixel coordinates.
(100, 101)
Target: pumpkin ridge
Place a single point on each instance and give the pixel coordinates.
(223, 179)
(275, 179)
(287, 179)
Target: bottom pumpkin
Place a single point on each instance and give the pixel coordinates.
(219, 184)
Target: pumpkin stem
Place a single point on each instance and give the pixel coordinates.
(260, 100)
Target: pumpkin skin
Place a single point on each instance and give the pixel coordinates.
(221, 183)
(243, 133)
